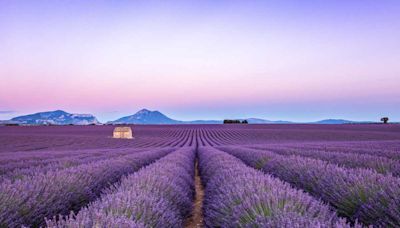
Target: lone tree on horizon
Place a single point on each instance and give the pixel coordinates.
(385, 120)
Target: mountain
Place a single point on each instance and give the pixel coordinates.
(333, 121)
(145, 116)
(338, 121)
(262, 121)
(203, 122)
(57, 117)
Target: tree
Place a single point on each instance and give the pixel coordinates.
(385, 120)
(245, 122)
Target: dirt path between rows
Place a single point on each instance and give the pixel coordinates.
(196, 220)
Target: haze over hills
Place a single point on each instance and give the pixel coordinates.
(143, 116)
(262, 121)
(337, 121)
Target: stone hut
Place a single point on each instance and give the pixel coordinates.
(122, 133)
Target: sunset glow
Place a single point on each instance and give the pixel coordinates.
(287, 60)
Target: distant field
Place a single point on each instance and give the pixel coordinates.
(201, 175)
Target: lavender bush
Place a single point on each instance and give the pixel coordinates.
(239, 196)
(28, 167)
(351, 160)
(29, 201)
(159, 195)
(387, 149)
(359, 194)
(51, 171)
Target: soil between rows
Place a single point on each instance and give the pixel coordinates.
(196, 220)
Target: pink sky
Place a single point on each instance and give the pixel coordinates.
(202, 60)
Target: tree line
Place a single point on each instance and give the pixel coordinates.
(235, 122)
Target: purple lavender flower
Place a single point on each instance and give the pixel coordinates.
(239, 196)
(358, 194)
(28, 201)
(159, 195)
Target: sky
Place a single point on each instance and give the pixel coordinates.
(290, 60)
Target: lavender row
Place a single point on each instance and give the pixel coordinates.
(351, 160)
(388, 149)
(359, 194)
(16, 157)
(22, 160)
(34, 157)
(239, 196)
(25, 169)
(159, 195)
(370, 145)
(29, 201)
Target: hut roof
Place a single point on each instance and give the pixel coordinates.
(122, 129)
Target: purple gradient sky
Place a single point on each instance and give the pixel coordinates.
(292, 60)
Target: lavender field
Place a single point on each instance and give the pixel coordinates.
(201, 176)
